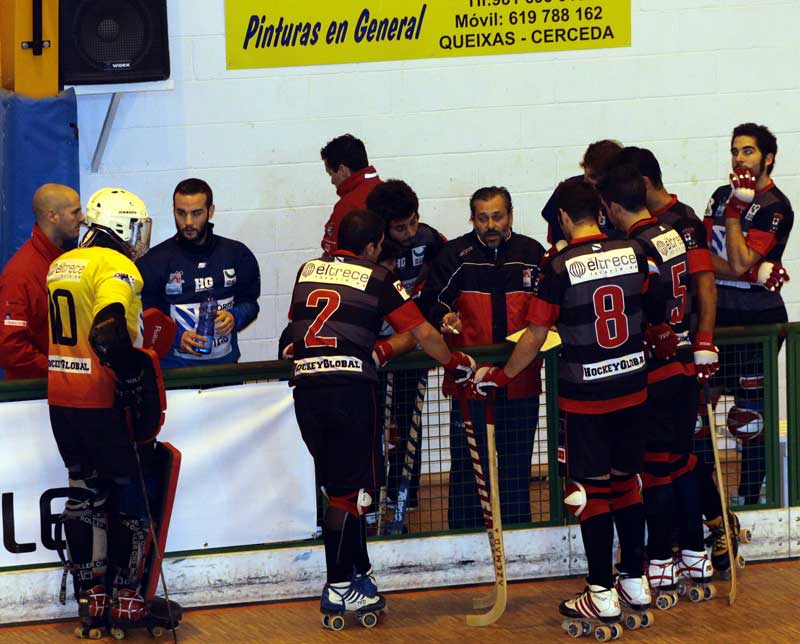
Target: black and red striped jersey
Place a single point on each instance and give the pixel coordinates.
(593, 291)
(691, 229)
(666, 247)
(766, 226)
(338, 306)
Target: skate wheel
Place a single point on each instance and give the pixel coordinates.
(336, 623)
(664, 602)
(647, 619)
(740, 562)
(156, 631)
(616, 631)
(95, 634)
(695, 594)
(745, 535)
(632, 622)
(80, 632)
(117, 633)
(681, 588)
(709, 592)
(674, 597)
(602, 633)
(573, 629)
(326, 621)
(368, 620)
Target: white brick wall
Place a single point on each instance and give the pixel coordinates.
(696, 69)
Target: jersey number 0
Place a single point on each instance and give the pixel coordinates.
(331, 300)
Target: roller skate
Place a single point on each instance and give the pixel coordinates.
(595, 611)
(634, 596)
(355, 597)
(661, 575)
(93, 607)
(365, 582)
(694, 573)
(719, 549)
(130, 611)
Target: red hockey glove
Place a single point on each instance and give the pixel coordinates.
(462, 366)
(743, 183)
(770, 275)
(159, 331)
(382, 352)
(487, 377)
(661, 340)
(706, 357)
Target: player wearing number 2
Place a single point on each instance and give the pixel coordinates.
(600, 293)
(338, 307)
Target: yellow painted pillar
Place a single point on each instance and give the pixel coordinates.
(20, 70)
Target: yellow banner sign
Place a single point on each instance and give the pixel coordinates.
(283, 33)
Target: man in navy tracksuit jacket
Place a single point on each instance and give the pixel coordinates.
(196, 266)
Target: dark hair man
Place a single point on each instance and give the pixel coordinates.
(198, 273)
(597, 158)
(748, 223)
(346, 163)
(336, 311)
(599, 293)
(478, 291)
(23, 294)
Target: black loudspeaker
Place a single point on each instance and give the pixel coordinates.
(113, 41)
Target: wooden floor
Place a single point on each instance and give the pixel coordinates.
(765, 613)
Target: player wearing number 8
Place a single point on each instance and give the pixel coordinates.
(599, 293)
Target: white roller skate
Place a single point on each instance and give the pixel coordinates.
(350, 597)
(694, 573)
(661, 575)
(634, 596)
(596, 610)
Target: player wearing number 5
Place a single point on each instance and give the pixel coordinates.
(600, 293)
(198, 274)
(338, 306)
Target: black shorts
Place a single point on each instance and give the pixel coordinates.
(671, 414)
(597, 443)
(338, 425)
(95, 439)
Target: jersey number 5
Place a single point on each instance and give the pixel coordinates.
(678, 293)
(611, 323)
(332, 300)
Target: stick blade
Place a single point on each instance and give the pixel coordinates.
(494, 614)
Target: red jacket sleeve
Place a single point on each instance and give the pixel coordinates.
(20, 356)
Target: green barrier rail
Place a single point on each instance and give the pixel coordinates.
(766, 337)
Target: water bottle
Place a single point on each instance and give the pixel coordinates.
(205, 324)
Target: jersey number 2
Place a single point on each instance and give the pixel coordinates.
(332, 300)
(611, 323)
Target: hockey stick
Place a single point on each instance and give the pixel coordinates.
(151, 527)
(387, 421)
(712, 425)
(412, 449)
(491, 510)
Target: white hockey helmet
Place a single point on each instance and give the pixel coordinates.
(123, 215)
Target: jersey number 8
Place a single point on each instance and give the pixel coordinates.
(611, 323)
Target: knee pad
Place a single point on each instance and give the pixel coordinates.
(587, 498)
(626, 490)
(746, 420)
(85, 521)
(657, 469)
(354, 503)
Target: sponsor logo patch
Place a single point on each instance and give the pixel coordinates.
(130, 280)
(398, 285)
(174, 285)
(527, 277)
(230, 276)
(586, 268)
(69, 365)
(418, 255)
(327, 364)
(70, 270)
(336, 273)
(669, 245)
(9, 322)
(613, 367)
